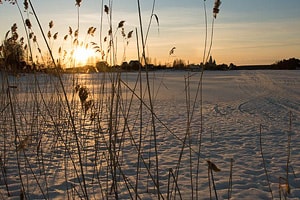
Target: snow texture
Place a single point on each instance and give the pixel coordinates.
(46, 155)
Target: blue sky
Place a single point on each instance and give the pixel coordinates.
(245, 32)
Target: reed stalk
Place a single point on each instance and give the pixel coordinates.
(26, 30)
(230, 179)
(206, 54)
(150, 100)
(140, 117)
(189, 133)
(16, 135)
(263, 159)
(289, 147)
(113, 134)
(84, 189)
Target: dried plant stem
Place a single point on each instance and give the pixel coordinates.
(214, 185)
(187, 134)
(101, 25)
(65, 141)
(36, 115)
(176, 183)
(206, 29)
(211, 41)
(209, 182)
(283, 187)
(212, 167)
(142, 159)
(162, 123)
(169, 180)
(289, 149)
(68, 106)
(78, 18)
(3, 170)
(4, 156)
(141, 117)
(230, 179)
(198, 163)
(16, 135)
(200, 89)
(26, 30)
(263, 159)
(150, 21)
(150, 101)
(188, 99)
(34, 176)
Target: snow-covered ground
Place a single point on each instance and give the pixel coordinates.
(245, 114)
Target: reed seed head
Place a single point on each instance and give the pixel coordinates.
(25, 4)
(109, 32)
(121, 24)
(129, 35)
(55, 36)
(15, 36)
(10, 1)
(70, 30)
(49, 34)
(91, 31)
(14, 27)
(106, 9)
(212, 166)
(28, 23)
(51, 24)
(75, 42)
(31, 35)
(83, 94)
(78, 3)
(76, 33)
(216, 8)
(172, 51)
(123, 33)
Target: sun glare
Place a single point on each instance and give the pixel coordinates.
(83, 55)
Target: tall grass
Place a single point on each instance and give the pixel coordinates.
(102, 138)
(68, 117)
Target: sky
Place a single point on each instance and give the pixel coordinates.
(245, 32)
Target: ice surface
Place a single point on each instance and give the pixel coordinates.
(235, 105)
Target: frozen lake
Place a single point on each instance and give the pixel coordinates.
(55, 148)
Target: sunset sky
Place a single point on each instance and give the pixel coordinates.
(245, 32)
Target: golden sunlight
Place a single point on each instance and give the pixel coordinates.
(83, 56)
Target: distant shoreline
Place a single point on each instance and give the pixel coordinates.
(266, 67)
(135, 66)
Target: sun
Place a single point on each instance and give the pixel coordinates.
(83, 55)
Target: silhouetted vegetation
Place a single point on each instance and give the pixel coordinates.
(12, 51)
(292, 63)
